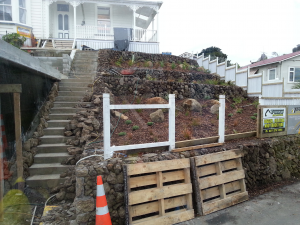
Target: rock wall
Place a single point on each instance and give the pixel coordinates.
(265, 161)
(128, 85)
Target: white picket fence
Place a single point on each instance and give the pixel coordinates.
(109, 150)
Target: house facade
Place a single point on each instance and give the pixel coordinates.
(90, 22)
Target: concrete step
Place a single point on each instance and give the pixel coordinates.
(71, 93)
(61, 116)
(57, 123)
(53, 148)
(50, 157)
(76, 80)
(70, 88)
(71, 104)
(45, 181)
(78, 73)
(68, 98)
(47, 168)
(57, 110)
(84, 61)
(75, 84)
(54, 131)
(54, 139)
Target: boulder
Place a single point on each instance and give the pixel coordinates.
(118, 114)
(192, 105)
(74, 150)
(156, 100)
(214, 109)
(157, 116)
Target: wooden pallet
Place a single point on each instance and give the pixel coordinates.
(158, 192)
(218, 181)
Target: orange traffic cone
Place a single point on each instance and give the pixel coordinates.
(102, 213)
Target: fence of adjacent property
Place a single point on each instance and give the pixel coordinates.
(109, 150)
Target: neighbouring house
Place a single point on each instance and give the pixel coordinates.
(73, 23)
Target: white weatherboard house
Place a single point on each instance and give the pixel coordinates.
(84, 22)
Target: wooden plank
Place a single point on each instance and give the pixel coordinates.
(207, 182)
(187, 180)
(228, 165)
(10, 88)
(224, 203)
(240, 135)
(240, 167)
(161, 202)
(221, 187)
(142, 209)
(206, 170)
(196, 189)
(157, 166)
(200, 141)
(19, 155)
(170, 218)
(153, 194)
(219, 156)
(128, 216)
(214, 191)
(196, 147)
(151, 179)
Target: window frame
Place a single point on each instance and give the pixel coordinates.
(25, 11)
(108, 30)
(6, 5)
(289, 71)
(274, 74)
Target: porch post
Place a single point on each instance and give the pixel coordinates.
(133, 10)
(157, 20)
(75, 32)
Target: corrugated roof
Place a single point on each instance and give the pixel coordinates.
(272, 60)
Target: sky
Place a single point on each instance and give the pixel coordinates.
(242, 29)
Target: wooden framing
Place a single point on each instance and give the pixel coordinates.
(218, 181)
(158, 192)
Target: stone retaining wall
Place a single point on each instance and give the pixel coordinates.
(127, 85)
(265, 161)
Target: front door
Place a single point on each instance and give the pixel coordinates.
(63, 20)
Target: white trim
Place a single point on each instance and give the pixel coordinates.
(149, 106)
(275, 78)
(289, 71)
(147, 145)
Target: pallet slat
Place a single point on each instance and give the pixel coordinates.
(220, 156)
(214, 191)
(151, 167)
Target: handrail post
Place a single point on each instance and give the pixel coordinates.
(172, 121)
(222, 119)
(106, 126)
(104, 31)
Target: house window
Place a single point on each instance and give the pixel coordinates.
(103, 20)
(294, 75)
(5, 10)
(22, 11)
(272, 74)
(63, 7)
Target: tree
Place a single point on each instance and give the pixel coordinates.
(14, 39)
(215, 52)
(297, 48)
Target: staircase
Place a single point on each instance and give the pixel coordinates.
(61, 44)
(46, 170)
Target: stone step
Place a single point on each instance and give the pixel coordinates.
(45, 181)
(54, 131)
(70, 88)
(68, 98)
(61, 116)
(83, 73)
(54, 139)
(57, 123)
(92, 61)
(53, 148)
(47, 168)
(56, 110)
(72, 104)
(76, 80)
(75, 84)
(71, 93)
(50, 157)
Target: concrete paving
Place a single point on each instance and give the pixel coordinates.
(278, 207)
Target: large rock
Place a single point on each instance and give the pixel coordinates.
(118, 114)
(157, 116)
(214, 109)
(192, 105)
(156, 100)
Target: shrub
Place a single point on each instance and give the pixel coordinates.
(187, 134)
(138, 100)
(122, 133)
(238, 100)
(230, 114)
(239, 111)
(14, 39)
(212, 82)
(128, 122)
(135, 127)
(139, 110)
(255, 103)
(232, 105)
(118, 63)
(254, 114)
(196, 122)
(161, 64)
(173, 65)
(253, 117)
(150, 123)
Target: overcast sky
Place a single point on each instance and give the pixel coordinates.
(242, 29)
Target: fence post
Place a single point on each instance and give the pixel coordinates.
(106, 126)
(261, 100)
(222, 119)
(172, 121)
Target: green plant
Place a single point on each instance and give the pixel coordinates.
(130, 63)
(14, 39)
(187, 113)
(155, 139)
(212, 82)
(238, 100)
(146, 64)
(255, 103)
(254, 114)
(122, 133)
(161, 63)
(173, 65)
(138, 100)
(187, 134)
(253, 117)
(124, 111)
(230, 114)
(207, 71)
(196, 122)
(186, 66)
(166, 97)
(235, 131)
(207, 97)
(139, 110)
(232, 105)
(135, 127)
(239, 111)
(150, 123)
(180, 80)
(128, 122)
(296, 86)
(118, 63)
